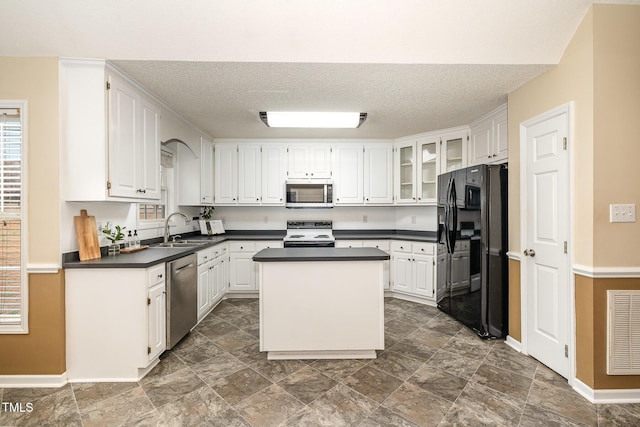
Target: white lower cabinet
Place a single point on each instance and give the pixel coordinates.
(380, 244)
(127, 303)
(413, 268)
(212, 274)
(242, 268)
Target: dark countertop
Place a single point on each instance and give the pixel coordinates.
(154, 255)
(320, 254)
(415, 236)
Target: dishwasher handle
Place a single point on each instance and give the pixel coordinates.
(179, 269)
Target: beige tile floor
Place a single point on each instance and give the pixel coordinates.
(434, 372)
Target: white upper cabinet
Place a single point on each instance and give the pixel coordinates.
(274, 173)
(226, 174)
(378, 173)
(195, 173)
(489, 142)
(249, 175)
(405, 172)
(309, 161)
(348, 177)
(110, 138)
(133, 140)
(453, 151)
(421, 158)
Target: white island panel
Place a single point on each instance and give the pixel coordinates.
(321, 309)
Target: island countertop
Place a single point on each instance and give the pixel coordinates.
(320, 254)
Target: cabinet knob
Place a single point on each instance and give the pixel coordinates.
(414, 198)
(306, 174)
(280, 198)
(367, 199)
(234, 199)
(159, 276)
(257, 200)
(312, 174)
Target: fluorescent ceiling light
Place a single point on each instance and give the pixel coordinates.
(299, 119)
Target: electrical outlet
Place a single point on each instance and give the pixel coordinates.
(365, 219)
(622, 213)
(413, 219)
(223, 220)
(266, 219)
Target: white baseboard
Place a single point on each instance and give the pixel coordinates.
(40, 381)
(606, 396)
(516, 345)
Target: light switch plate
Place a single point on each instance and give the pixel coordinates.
(622, 213)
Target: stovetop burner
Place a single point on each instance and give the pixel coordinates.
(309, 234)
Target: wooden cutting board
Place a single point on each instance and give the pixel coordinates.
(87, 235)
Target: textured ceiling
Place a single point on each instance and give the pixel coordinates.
(413, 65)
(224, 98)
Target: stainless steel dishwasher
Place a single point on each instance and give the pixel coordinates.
(182, 298)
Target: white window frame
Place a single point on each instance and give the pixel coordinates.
(23, 326)
(169, 178)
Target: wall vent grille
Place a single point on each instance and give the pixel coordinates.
(623, 332)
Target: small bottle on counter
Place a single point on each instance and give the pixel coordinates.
(128, 243)
(136, 239)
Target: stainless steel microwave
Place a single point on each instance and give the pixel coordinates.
(309, 194)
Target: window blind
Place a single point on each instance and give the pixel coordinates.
(11, 277)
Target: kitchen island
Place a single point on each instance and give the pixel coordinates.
(321, 303)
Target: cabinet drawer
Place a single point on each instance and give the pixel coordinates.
(155, 275)
(219, 251)
(400, 246)
(424, 248)
(463, 245)
(349, 244)
(383, 245)
(268, 244)
(242, 246)
(204, 255)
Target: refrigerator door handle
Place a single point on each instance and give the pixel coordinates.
(447, 213)
(454, 222)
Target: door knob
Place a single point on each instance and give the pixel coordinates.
(529, 252)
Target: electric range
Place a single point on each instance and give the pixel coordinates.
(309, 234)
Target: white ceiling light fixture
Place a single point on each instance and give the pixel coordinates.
(312, 119)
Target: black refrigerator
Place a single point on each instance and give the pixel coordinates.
(472, 270)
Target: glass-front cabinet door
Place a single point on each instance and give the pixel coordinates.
(428, 178)
(453, 152)
(406, 173)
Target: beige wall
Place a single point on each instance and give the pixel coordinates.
(571, 80)
(616, 132)
(42, 350)
(600, 74)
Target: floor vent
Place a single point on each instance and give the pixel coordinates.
(623, 332)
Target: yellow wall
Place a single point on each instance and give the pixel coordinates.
(600, 74)
(41, 351)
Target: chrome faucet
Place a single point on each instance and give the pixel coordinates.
(166, 224)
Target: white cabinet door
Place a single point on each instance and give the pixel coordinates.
(481, 143)
(215, 281)
(405, 173)
(453, 151)
(149, 174)
(226, 174)
(124, 107)
(307, 161)
(206, 171)
(249, 175)
(500, 137)
(274, 173)
(402, 272)
(134, 142)
(204, 289)
(423, 268)
(427, 173)
(297, 156)
(348, 162)
(320, 161)
(156, 320)
(242, 272)
(378, 173)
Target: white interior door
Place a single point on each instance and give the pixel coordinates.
(545, 262)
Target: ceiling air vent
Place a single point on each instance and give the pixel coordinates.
(623, 332)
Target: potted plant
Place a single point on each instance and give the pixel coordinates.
(114, 236)
(205, 216)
